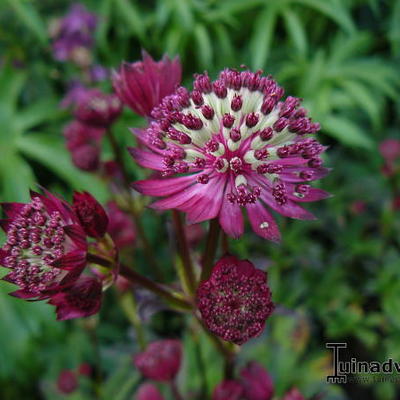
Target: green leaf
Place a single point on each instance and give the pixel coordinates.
(296, 30)
(346, 132)
(224, 44)
(16, 178)
(184, 14)
(334, 10)
(41, 111)
(11, 84)
(365, 99)
(261, 39)
(27, 13)
(204, 50)
(131, 15)
(49, 150)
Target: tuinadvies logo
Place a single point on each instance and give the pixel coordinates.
(341, 369)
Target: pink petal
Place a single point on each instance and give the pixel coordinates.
(77, 234)
(262, 222)
(71, 260)
(231, 219)
(209, 204)
(147, 159)
(181, 199)
(12, 209)
(5, 224)
(163, 187)
(314, 194)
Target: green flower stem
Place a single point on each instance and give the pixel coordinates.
(211, 249)
(136, 278)
(175, 390)
(183, 247)
(149, 253)
(128, 304)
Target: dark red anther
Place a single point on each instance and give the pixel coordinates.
(266, 134)
(236, 103)
(228, 120)
(252, 119)
(235, 134)
(207, 111)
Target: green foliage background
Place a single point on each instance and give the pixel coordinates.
(334, 279)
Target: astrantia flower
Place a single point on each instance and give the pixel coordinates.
(45, 248)
(84, 143)
(235, 302)
(120, 228)
(148, 391)
(143, 84)
(67, 382)
(390, 151)
(91, 214)
(238, 146)
(293, 394)
(257, 383)
(161, 360)
(82, 299)
(72, 33)
(97, 108)
(228, 390)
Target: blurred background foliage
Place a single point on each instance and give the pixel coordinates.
(334, 279)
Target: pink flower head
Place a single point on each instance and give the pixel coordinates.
(161, 360)
(46, 246)
(73, 32)
(80, 300)
(230, 145)
(67, 382)
(148, 391)
(91, 214)
(85, 369)
(228, 390)
(293, 394)
(143, 84)
(390, 149)
(256, 382)
(97, 108)
(120, 227)
(84, 143)
(235, 302)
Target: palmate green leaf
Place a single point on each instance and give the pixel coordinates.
(313, 75)
(49, 151)
(27, 13)
(128, 12)
(184, 13)
(226, 54)
(105, 10)
(16, 178)
(11, 84)
(365, 98)
(237, 6)
(261, 39)
(204, 50)
(346, 132)
(333, 9)
(296, 30)
(346, 47)
(373, 72)
(121, 382)
(394, 28)
(41, 111)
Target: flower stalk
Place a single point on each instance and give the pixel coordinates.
(183, 248)
(210, 249)
(141, 280)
